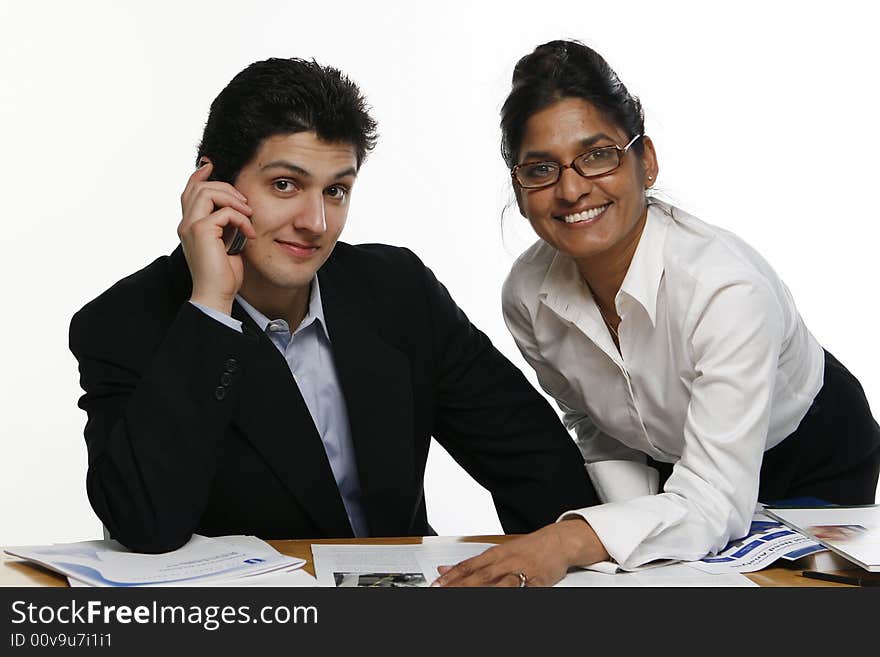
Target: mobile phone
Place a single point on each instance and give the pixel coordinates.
(236, 243)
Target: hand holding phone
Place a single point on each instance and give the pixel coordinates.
(235, 241)
(235, 244)
(214, 227)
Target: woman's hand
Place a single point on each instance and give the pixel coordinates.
(209, 208)
(543, 557)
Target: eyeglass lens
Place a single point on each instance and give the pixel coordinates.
(591, 163)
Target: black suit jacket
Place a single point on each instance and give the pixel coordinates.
(194, 427)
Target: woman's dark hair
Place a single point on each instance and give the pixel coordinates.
(565, 69)
(278, 97)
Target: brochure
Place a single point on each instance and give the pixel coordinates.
(767, 541)
(202, 559)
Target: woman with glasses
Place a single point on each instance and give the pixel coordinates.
(676, 353)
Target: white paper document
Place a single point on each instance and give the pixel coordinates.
(201, 560)
(276, 579)
(852, 532)
(668, 575)
(416, 565)
(387, 565)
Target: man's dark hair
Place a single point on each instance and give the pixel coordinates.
(279, 97)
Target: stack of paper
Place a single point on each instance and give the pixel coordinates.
(388, 565)
(416, 565)
(853, 532)
(203, 561)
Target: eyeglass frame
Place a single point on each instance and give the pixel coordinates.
(562, 167)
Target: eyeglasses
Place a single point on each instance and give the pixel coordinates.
(597, 162)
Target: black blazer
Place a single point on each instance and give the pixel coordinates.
(196, 428)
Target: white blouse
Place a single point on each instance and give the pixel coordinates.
(715, 366)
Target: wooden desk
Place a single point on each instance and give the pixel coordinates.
(14, 572)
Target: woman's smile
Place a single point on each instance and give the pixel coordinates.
(584, 217)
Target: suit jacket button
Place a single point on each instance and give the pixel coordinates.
(219, 392)
(226, 378)
(231, 365)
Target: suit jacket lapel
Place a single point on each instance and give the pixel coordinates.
(274, 418)
(376, 384)
(377, 387)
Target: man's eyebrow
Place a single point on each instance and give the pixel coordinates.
(290, 166)
(584, 143)
(294, 168)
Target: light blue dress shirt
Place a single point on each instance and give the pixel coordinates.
(310, 358)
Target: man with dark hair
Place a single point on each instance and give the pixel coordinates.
(291, 390)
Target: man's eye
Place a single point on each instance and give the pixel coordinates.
(337, 192)
(283, 185)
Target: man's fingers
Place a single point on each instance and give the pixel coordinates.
(198, 185)
(222, 187)
(207, 199)
(203, 170)
(230, 217)
(200, 175)
(214, 223)
(220, 194)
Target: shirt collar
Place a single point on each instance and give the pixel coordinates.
(563, 289)
(642, 280)
(314, 313)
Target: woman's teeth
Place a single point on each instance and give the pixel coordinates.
(586, 215)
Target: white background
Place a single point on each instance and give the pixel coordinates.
(764, 115)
